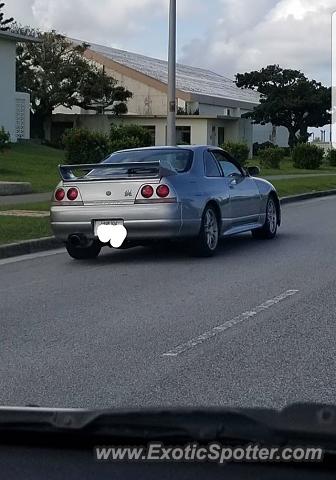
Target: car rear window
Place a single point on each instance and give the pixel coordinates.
(178, 160)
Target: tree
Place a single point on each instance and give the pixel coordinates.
(288, 99)
(25, 30)
(100, 92)
(55, 73)
(4, 22)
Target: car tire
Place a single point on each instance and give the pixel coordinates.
(270, 228)
(83, 253)
(208, 238)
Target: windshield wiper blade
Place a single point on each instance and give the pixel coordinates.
(306, 423)
(187, 425)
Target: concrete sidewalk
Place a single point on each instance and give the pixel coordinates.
(29, 198)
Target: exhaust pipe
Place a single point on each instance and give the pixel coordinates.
(77, 240)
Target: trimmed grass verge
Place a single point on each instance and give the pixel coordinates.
(14, 229)
(32, 163)
(296, 186)
(40, 206)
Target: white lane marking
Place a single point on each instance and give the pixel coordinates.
(194, 342)
(31, 256)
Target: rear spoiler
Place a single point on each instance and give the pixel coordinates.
(142, 169)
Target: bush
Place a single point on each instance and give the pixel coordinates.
(257, 147)
(271, 157)
(4, 139)
(239, 151)
(286, 152)
(308, 156)
(331, 157)
(129, 136)
(85, 146)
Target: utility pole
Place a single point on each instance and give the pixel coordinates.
(171, 116)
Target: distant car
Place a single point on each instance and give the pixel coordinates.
(191, 193)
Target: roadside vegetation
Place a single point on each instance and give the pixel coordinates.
(88, 146)
(287, 168)
(4, 140)
(15, 228)
(295, 186)
(28, 162)
(37, 207)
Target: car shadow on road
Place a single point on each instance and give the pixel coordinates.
(237, 246)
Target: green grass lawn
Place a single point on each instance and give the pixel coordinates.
(14, 229)
(40, 206)
(32, 163)
(304, 185)
(288, 169)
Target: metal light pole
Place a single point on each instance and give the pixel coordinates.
(171, 117)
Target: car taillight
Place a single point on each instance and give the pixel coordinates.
(59, 194)
(72, 193)
(162, 191)
(147, 191)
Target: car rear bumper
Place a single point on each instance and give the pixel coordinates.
(143, 222)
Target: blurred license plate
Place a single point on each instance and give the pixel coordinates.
(113, 223)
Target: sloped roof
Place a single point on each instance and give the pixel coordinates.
(17, 37)
(197, 81)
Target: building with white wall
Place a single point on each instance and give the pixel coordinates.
(14, 106)
(211, 105)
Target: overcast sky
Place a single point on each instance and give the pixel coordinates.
(228, 36)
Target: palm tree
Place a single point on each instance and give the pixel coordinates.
(4, 22)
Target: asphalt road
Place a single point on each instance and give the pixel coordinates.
(138, 327)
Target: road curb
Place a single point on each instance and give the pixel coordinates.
(15, 188)
(51, 243)
(307, 196)
(29, 246)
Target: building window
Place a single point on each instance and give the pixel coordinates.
(183, 135)
(221, 137)
(151, 129)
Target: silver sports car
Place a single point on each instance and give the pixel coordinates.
(136, 197)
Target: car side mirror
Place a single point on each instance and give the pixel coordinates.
(253, 171)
